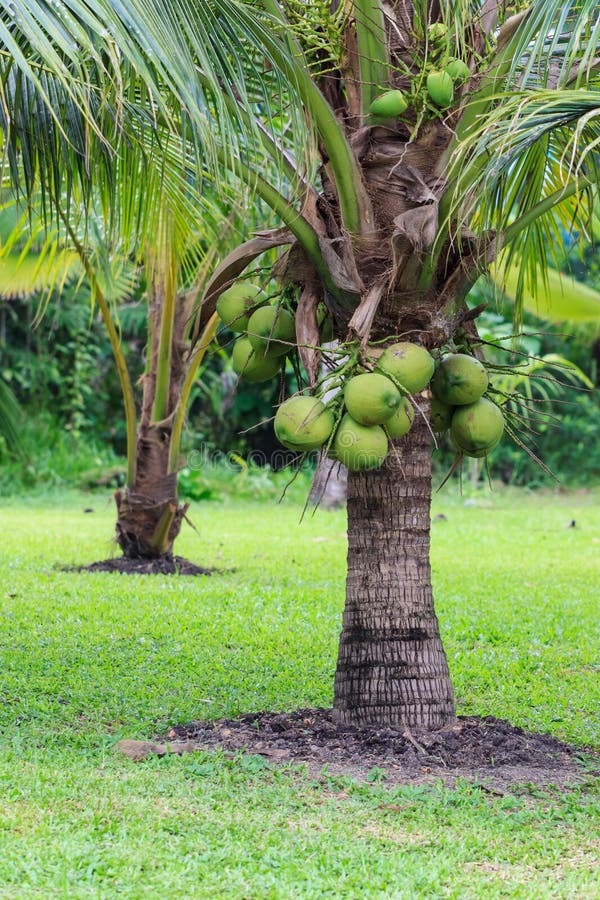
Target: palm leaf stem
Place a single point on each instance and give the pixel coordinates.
(117, 350)
(355, 206)
(298, 225)
(372, 51)
(181, 409)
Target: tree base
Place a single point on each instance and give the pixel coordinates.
(491, 752)
(164, 565)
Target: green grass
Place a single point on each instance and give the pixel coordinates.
(88, 659)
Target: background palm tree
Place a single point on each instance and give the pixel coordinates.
(403, 217)
(140, 207)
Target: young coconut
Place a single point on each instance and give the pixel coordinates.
(440, 415)
(303, 424)
(409, 364)
(401, 421)
(459, 379)
(458, 70)
(371, 398)
(389, 105)
(477, 428)
(271, 330)
(250, 366)
(359, 447)
(237, 303)
(440, 88)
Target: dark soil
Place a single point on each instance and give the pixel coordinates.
(485, 749)
(165, 565)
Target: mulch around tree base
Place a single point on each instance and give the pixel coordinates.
(486, 750)
(165, 565)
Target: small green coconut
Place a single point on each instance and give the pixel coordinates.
(440, 415)
(389, 105)
(440, 88)
(371, 398)
(409, 364)
(457, 70)
(303, 424)
(250, 366)
(271, 330)
(477, 428)
(237, 303)
(436, 31)
(401, 421)
(359, 447)
(459, 379)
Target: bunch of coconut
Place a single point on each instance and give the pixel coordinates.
(476, 423)
(444, 74)
(375, 408)
(267, 331)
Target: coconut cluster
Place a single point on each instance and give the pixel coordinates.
(267, 331)
(476, 423)
(374, 404)
(445, 73)
(372, 408)
(375, 407)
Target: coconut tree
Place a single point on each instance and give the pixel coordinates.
(490, 132)
(115, 194)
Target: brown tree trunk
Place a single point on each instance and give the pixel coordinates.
(392, 669)
(149, 515)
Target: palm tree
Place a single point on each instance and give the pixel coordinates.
(403, 214)
(141, 207)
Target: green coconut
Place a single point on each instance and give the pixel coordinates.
(371, 398)
(409, 364)
(457, 70)
(440, 415)
(249, 365)
(389, 105)
(237, 303)
(359, 447)
(436, 31)
(440, 88)
(400, 422)
(303, 423)
(477, 428)
(271, 330)
(459, 379)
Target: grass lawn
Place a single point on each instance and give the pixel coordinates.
(89, 659)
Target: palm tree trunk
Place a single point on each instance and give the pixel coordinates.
(392, 669)
(149, 515)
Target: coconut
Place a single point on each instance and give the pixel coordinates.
(459, 379)
(440, 88)
(359, 447)
(440, 415)
(268, 327)
(371, 398)
(477, 428)
(409, 364)
(457, 70)
(303, 423)
(249, 365)
(389, 105)
(400, 421)
(237, 303)
(436, 31)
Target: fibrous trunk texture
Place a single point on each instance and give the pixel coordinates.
(392, 669)
(149, 515)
